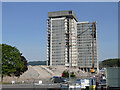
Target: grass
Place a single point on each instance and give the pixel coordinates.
(4, 83)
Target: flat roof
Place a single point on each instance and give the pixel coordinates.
(68, 13)
(83, 22)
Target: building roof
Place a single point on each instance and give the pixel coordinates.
(68, 13)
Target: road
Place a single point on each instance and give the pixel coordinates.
(42, 87)
(31, 87)
(36, 87)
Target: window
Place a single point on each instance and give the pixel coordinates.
(70, 12)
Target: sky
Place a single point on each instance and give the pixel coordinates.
(24, 25)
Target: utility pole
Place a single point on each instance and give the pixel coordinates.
(68, 44)
(70, 47)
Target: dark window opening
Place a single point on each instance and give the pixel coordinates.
(70, 12)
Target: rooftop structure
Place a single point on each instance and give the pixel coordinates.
(59, 14)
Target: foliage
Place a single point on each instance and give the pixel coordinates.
(33, 63)
(25, 68)
(0, 58)
(72, 74)
(66, 74)
(23, 59)
(111, 63)
(12, 63)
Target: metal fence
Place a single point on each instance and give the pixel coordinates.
(113, 76)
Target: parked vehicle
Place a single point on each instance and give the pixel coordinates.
(102, 82)
(56, 79)
(78, 81)
(85, 83)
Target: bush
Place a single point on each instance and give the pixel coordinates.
(66, 74)
(72, 74)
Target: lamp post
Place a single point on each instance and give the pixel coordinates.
(70, 64)
(70, 46)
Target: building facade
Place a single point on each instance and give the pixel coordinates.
(87, 45)
(69, 41)
(62, 33)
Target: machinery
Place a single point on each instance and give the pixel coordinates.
(93, 36)
(92, 27)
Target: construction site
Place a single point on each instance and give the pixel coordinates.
(71, 47)
(44, 73)
(71, 43)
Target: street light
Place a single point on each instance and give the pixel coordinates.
(69, 59)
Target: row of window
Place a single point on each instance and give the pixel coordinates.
(83, 53)
(58, 64)
(84, 40)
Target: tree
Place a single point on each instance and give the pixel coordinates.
(111, 63)
(23, 59)
(1, 61)
(12, 61)
(25, 68)
(66, 74)
(72, 74)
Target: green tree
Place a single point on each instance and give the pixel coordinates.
(72, 74)
(111, 63)
(1, 61)
(25, 68)
(12, 63)
(66, 74)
